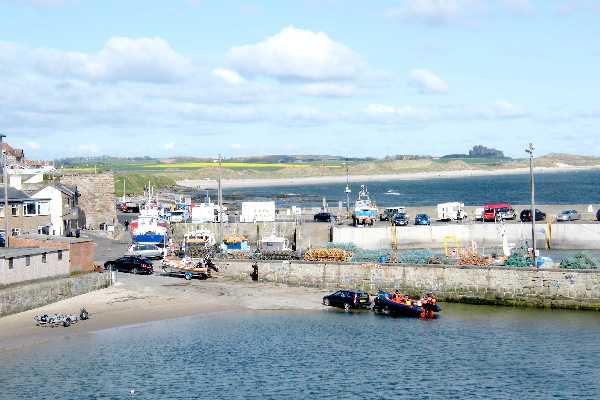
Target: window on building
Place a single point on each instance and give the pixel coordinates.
(16, 231)
(29, 209)
(14, 210)
(2, 211)
(27, 261)
(59, 255)
(43, 208)
(44, 258)
(11, 263)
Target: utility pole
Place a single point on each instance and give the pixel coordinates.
(530, 150)
(5, 178)
(348, 191)
(220, 197)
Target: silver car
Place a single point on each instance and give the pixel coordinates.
(568, 215)
(145, 250)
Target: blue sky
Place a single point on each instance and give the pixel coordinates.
(356, 78)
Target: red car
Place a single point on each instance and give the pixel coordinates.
(499, 211)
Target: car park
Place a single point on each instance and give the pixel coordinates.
(568, 215)
(525, 215)
(422, 219)
(324, 217)
(400, 219)
(132, 264)
(348, 299)
(145, 250)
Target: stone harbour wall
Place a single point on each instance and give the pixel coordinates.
(477, 285)
(97, 197)
(23, 297)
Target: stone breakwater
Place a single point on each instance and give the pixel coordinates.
(475, 285)
(26, 296)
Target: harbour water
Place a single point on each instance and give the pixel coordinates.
(471, 352)
(575, 187)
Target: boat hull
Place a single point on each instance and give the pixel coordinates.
(150, 238)
(383, 305)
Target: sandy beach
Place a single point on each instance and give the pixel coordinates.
(137, 299)
(319, 180)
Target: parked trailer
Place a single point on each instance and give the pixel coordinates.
(452, 211)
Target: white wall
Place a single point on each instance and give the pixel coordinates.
(56, 208)
(36, 269)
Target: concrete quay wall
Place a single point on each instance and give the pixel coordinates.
(23, 297)
(477, 285)
(556, 236)
(305, 235)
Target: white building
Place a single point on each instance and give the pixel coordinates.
(258, 211)
(27, 264)
(63, 207)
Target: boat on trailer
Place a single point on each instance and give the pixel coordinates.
(394, 304)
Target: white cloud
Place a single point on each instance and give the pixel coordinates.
(33, 145)
(170, 145)
(328, 89)
(121, 59)
(506, 109)
(447, 12)
(398, 114)
(89, 148)
(229, 76)
(237, 146)
(297, 54)
(427, 82)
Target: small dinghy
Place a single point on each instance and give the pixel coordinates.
(396, 304)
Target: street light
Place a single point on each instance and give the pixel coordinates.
(5, 178)
(530, 150)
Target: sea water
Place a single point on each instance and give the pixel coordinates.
(470, 352)
(575, 187)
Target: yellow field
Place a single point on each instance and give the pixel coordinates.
(243, 165)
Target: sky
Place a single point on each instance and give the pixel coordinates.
(349, 78)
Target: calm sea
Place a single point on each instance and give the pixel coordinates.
(472, 352)
(580, 187)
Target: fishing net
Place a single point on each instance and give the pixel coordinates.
(519, 259)
(579, 261)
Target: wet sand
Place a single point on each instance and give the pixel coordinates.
(139, 299)
(318, 180)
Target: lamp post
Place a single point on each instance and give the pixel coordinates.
(348, 191)
(5, 179)
(530, 150)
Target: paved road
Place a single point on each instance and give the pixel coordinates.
(107, 249)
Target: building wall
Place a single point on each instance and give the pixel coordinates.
(56, 208)
(26, 224)
(53, 267)
(482, 285)
(81, 254)
(97, 197)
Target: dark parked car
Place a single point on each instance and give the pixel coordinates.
(422, 219)
(526, 215)
(598, 215)
(347, 299)
(324, 217)
(135, 265)
(400, 219)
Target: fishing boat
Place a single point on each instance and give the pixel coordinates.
(149, 227)
(274, 243)
(365, 210)
(395, 304)
(235, 243)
